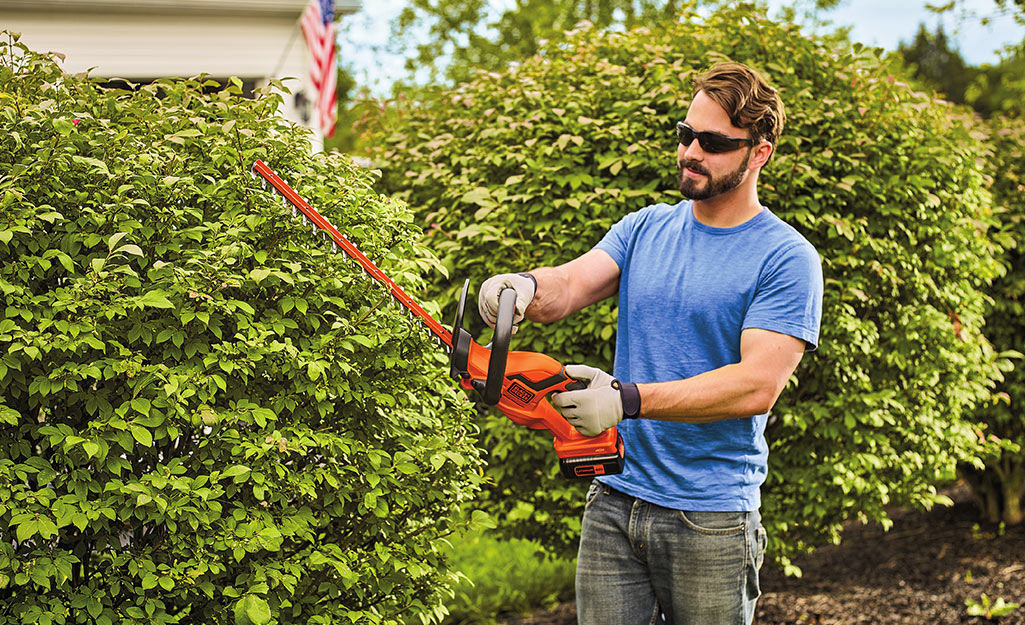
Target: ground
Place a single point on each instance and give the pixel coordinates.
(921, 572)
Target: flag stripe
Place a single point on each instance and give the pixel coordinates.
(319, 31)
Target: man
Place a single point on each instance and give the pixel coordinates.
(718, 301)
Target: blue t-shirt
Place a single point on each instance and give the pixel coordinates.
(686, 291)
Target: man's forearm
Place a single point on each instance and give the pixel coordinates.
(563, 290)
(549, 303)
(730, 392)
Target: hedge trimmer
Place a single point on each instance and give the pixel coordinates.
(517, 383)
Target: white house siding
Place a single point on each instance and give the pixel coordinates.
(146, 39)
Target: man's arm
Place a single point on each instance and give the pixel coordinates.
(749, 387)
(563, 290)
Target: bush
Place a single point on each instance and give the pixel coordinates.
(205, 417)
(531, 166)
(1000, 487)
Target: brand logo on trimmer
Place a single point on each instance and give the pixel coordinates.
(519, 393)
(589, 469)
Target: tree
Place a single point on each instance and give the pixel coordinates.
(205, 416)
(936, 63)
(1015, 8)
(1000, 486)
(463, 36)
(1000, 89)
(532, 165)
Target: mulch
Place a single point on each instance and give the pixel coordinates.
(920, 572)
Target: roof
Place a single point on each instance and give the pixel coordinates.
(206, 7)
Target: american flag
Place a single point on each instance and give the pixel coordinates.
(319, 31)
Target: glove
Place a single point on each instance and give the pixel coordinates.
(487, 301)
(603, 404)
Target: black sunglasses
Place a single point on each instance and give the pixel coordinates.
(711, 142)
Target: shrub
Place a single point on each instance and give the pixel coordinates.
(1000, 487)
(205, 417)
(531, 166)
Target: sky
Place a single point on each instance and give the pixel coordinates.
(885, 23)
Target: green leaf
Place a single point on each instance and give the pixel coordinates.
(252, 610)
(480, 520)
(155, 299)
(115, 239)
(63, 126)
(95, 164)
(235, 470)
(132, 249)
(258, 275)
(26, 530)
(142, 435)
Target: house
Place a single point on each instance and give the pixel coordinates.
(141, 40)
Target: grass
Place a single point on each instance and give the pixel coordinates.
(505, 578)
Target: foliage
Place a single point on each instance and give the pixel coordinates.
(966, 10)
(988, 610)
(1000, 89)
(531, 167)
(466, 36)
(1000, 487)
(205, 417)
(990, 89)
(345, 137)
(504, 577)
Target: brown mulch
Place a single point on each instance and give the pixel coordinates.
(919, 573)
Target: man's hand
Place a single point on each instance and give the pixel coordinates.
(487, 300)
(601, 405)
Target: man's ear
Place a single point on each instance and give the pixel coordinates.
(761, 155)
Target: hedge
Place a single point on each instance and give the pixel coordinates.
(205, 416)
(531, 166)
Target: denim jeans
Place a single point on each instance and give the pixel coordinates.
(640, 563)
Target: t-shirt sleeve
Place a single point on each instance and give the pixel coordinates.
(788, 299)
(616, 242)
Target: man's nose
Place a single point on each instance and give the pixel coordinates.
(691, 152)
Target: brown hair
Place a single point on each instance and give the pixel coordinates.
(746, 97)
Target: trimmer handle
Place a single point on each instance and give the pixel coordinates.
(522, 395)
(500, 346)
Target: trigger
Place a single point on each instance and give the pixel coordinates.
(576, 385)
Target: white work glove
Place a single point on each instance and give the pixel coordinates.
(601, 405)
(487, 299)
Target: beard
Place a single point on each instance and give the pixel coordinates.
(713, 186)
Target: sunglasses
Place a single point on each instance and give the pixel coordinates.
(711, 142)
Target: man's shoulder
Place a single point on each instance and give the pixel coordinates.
(659, 213)
(785, 235)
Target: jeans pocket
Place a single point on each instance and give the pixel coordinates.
(592, 493)
(714, 523)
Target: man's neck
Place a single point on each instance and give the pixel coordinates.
(728, 209)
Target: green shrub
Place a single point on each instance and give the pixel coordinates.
(206, 417)
(505, 577)
(531, 166)
(1000, 487)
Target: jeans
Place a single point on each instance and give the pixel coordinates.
(640, 563)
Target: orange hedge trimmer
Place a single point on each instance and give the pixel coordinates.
(517, 383)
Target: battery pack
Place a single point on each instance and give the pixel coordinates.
(586, 467)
